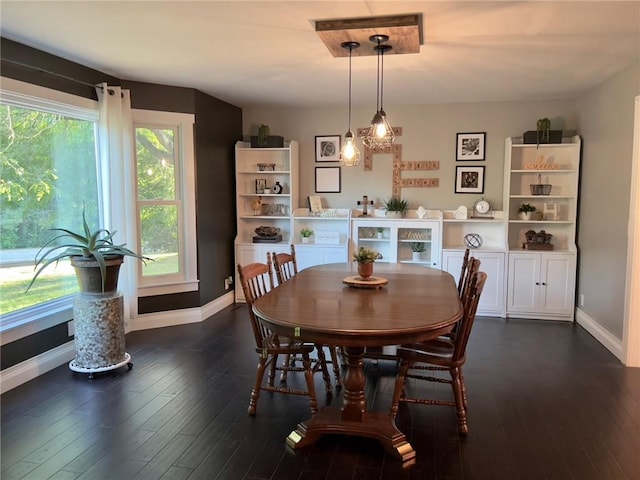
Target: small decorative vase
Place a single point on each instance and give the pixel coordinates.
(305, 239)
(525, 215)
(380, 235)
(417, 256)
(365, 270)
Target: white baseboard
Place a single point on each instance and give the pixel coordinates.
(31, 368)
(601, 334)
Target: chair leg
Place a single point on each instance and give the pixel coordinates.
(336, 365)
(272, 370)
(399, 387)
(311, 388)
(285, 368)
(255, 393)
(459, 396)
(322, 364)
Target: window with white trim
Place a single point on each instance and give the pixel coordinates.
(49, 171)
(165, 201)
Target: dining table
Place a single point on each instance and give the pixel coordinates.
(329, 304)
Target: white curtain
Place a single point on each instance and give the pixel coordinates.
(115, 137)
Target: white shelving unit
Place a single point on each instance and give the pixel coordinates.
(330, 240)
(541, 283)
(397, 236)
(276, 209)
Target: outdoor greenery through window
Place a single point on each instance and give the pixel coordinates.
(48, 171)
(158, 201)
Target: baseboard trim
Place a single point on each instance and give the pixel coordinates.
(31, 368)
(35, 366)
(601, 334)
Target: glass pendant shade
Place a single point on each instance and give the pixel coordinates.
(380, 134)
(349, 153)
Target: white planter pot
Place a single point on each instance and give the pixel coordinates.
(525, 215)
(305, 239)
(417, 256)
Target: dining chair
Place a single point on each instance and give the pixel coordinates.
(470, 266)
(441, 354)
(256, 279)
(463, 270)
(286, 266)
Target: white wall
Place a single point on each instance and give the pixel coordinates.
(606, 117)
(429, 133)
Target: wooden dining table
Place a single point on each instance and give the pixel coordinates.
(415, 303)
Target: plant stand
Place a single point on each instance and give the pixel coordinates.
(99, 334)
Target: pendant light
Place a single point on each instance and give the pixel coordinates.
(380, 134)
(349, 154)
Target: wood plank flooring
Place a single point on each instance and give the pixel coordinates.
(546, 401)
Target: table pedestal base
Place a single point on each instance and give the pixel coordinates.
(376, 425)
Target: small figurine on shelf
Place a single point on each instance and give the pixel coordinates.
(256, 206)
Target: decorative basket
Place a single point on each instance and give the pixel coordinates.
(540, 188)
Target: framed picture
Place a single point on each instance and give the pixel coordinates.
(470, 146)
(315, 203)
(328, 148)
(469, 179)
(261, 184)
(327, 179)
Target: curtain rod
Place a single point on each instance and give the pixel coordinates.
(59, 75)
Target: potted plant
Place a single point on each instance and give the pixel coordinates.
(417, 248)
(526, 210)
(92, 253)
(396, 207)
(306, 233)
(380, 232)
(365, 258)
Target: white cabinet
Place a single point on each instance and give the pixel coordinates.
(396, 239)
(329, 242)
(492, 300)
(257, 168)
(541, 285)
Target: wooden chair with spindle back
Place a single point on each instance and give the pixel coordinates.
(286, 266)
(441, 354)
(256, 280)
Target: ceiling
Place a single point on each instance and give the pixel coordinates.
(268, 53)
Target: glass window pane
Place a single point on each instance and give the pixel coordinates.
(159, 238)
(48, 171)
(155, 164)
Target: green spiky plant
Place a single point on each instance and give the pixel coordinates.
(96, 245)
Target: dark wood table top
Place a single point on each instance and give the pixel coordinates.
(416, 302)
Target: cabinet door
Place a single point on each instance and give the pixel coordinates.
(523, 293)
(492, 263)
(557, 275)
(306, 256)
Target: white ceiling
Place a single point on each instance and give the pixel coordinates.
(267, 52)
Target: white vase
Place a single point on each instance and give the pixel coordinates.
(417, 256)
(305, 239)
(525, 215)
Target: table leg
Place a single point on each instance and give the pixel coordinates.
(353, 418)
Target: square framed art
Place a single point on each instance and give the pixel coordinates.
(469, 180)
(470, 146)
(328, 148)
(327, 179)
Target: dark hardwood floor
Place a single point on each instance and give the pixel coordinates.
(546, 401)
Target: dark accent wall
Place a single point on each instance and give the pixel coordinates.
(218, 125)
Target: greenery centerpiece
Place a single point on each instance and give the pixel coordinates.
(365, 258)
(396, 206)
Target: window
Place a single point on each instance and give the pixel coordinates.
(46, 138)
(165, 201)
